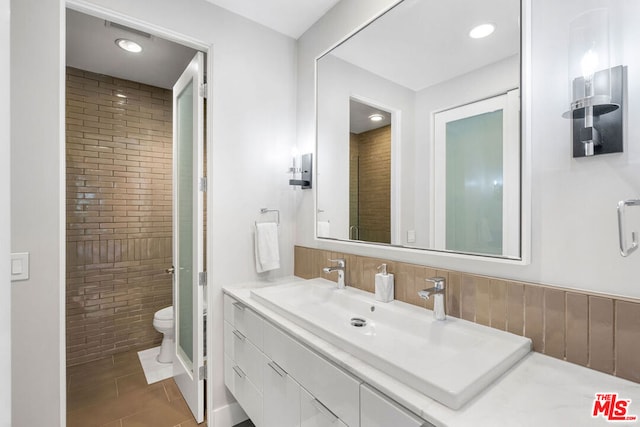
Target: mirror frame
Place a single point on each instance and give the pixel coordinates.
(372, 248)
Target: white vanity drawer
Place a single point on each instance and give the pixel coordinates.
(244, 320)
(281, 405)
(337, 390)
(246, 355)
(314, 414)
(247, 395)
(377, 410)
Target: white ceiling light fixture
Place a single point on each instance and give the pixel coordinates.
(482, 31)
(376, 117)
(129, 45)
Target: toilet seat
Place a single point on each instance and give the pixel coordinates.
(164, 314)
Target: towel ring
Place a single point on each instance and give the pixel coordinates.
(265, 210)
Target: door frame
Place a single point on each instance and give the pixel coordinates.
(396, 150)
(509, 102)
(167, 34)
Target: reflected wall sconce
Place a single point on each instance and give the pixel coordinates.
(596, 89)
(302, 175)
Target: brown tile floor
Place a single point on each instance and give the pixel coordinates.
(113, 392)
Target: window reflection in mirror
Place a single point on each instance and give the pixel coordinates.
(429, 190)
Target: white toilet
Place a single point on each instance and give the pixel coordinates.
(163, 322)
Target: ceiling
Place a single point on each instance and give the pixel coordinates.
(430, 40)
(359, 117)
(290, 17)
(91, 47)
(91, 41)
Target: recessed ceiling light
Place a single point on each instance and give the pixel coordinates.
(129, 45)
(376, 117)
(481, 31)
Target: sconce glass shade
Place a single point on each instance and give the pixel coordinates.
(596, 88)
(589, 67)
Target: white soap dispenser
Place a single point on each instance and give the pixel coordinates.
(384, 284)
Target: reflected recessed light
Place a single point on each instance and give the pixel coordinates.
(481, 31)
(376, 117)
(128, 45)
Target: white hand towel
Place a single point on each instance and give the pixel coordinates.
(266, 246)
(324, 229)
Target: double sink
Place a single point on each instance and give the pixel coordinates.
(450, 361)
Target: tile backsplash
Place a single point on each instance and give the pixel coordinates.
(597, 331)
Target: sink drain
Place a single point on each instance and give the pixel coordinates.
(358, 322)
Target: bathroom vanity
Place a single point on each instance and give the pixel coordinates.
(288, 364)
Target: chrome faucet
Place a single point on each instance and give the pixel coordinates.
(439, 291)
(341, 267)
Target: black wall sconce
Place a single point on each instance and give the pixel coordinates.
(305, 171)
(596, 89)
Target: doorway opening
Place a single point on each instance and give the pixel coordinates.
(121, 223)
(369, 172)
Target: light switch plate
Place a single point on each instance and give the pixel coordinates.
(19, 266)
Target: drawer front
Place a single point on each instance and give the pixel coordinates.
(247, 395)
(281, 398)
(244, 320)
(377, 410)
(337, 390)
(228, 340)
(229, 381)
(246, 355)
(314, 414)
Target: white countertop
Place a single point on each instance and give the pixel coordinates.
(538, 390)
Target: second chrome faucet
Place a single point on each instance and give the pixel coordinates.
(438, 290)
(340, 267)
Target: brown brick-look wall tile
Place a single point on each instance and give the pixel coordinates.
(533, 316)
(515, 308)
(554, 322)
(373, 191)
(577, 329)
(627, 340)
(595, 331)
(498, 301)
(119, 161)
(601, 356)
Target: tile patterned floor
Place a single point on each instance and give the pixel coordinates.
(113, 392)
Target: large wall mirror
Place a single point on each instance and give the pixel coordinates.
(419, 130)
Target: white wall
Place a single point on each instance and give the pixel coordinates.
(339, 81)
(485, 82)
(36, 210)
(574, 229)
(5, 219)
(341, 20)
(253, 131)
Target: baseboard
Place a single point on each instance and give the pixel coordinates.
(229, 415)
